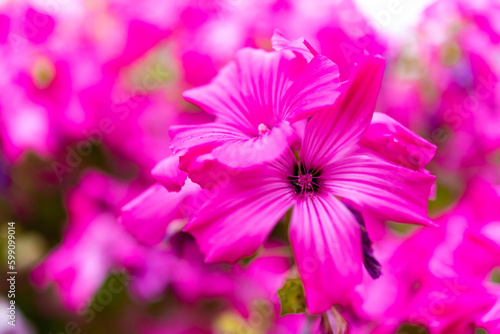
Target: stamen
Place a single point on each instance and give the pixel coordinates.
(304, 181)
(263, 129)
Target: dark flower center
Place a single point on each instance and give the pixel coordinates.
(304, 181)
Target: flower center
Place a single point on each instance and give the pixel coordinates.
(304, 181)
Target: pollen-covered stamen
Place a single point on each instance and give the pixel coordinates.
(263, 129)
(303, 181)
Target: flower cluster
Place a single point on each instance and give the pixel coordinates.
(274, 166)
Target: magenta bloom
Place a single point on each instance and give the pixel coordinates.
(256, 98)
(450, 271)
(325, 233)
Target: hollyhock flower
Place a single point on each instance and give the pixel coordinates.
(256, 98)
(240, 217)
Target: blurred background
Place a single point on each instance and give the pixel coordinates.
(90, 88)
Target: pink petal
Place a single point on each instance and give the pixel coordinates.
(480, 202)
(229, 146)
(205, 171)
(261, 87)
(240, 214)
(282, 85)
(397, 143)
(337, 129)
(492, 233)
(317, 86)
(203, 136)
(326, 242)
(148, 215)
(385, 190)
(281, 42)
(255, 151)
(253, 97)
(77, 269)
(210, 173)
(167, 173)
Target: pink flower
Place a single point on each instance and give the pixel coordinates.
(442, 286)
(79, 267)
(325, 234)
(81, 263)
(256, 98)
(95, 244)
(446, 87)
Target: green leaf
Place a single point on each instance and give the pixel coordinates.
(480, 331)
(292, 297)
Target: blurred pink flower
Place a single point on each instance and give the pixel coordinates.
(442, 286)
(444, 86)
(87, 254)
